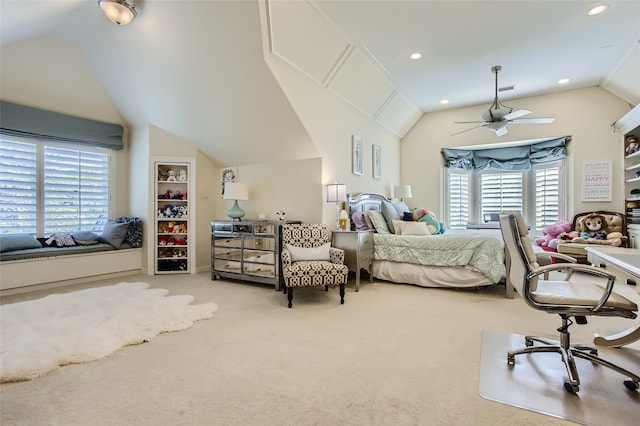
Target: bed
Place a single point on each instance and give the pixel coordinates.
(450, 259)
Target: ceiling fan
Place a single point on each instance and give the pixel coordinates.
(498, 115)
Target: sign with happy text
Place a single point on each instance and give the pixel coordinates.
(596, 181)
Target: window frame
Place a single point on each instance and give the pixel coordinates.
(528, 199)
(41, 145)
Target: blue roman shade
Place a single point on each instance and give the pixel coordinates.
(24, 121)
(519, 157)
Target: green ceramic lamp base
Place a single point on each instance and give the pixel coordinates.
(236, 213)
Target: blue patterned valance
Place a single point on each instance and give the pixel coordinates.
(519, 157)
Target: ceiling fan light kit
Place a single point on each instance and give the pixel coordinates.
(499, 115)
(120, 12)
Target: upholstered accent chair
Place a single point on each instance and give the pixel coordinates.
(309, 260)
(616, 222)
(573, 298)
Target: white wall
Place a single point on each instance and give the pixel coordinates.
(585, 114)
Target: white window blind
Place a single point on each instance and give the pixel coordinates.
(18, 188)
(547, 195)
(458, 198)
(47, 188)
(501, 191)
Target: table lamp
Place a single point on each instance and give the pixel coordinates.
(236, 191)
(402, 191)
(336, 193)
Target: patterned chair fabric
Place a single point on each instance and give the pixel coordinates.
(311, 272)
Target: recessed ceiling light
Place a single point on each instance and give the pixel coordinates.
(564, 80)
(444, 101)
(415, 56)
(596, 10)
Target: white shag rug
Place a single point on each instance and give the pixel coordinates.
(40, 335)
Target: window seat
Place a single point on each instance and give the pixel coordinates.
(52, 266)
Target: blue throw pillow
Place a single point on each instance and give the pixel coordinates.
(114, 233)
(18, 242)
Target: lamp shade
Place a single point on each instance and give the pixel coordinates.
(402, 191)
(336, 192)
(236, 191)
(118, 11)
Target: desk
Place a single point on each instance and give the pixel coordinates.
(625, 264)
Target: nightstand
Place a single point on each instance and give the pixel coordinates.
(358, 251)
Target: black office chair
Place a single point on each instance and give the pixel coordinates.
(570, 298)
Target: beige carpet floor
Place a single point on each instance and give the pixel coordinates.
(536, 383)
(391, 355)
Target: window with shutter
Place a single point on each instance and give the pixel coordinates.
(501, 191)
(458, 198)
(52, 188)
(547, 194)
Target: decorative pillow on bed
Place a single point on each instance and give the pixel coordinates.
(401, 207)
(408, 217)
(390, 214)
(378, 221)
(18, 242)
(410, 228)
(359, 221)
(309, 253)
(114, 233)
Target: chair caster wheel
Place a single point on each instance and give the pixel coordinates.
(571, 388)
(631, 385)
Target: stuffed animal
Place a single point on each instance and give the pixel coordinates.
(172, 176)
(182, 175)
(551, 233)
(427, 216)
(594, 229)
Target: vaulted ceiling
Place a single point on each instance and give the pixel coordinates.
(196, 68)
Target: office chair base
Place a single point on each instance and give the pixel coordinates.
(569, 353)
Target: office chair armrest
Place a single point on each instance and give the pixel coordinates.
(578, 267)
(554, 255)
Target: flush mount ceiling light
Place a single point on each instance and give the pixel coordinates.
(596, 10)
(564, 80)
(118, 11)
(415, 56)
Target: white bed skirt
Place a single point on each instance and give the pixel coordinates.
(429, 276)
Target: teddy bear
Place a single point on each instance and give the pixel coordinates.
(171, 177)
(551, 234)
(182, 175)
(594, 229)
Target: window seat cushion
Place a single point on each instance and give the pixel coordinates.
(44, 252)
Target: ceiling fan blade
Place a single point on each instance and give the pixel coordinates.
(468, 122)
(517, 114)
(539, 120)
(466, 130)
(501, 131)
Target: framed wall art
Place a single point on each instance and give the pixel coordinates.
(357, 155)
(376, 155)
(228, 174)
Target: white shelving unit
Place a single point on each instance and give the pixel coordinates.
(629, 126)
(174, 210)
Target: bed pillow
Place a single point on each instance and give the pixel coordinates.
(378, 222)
(390, 214)
(359, 221)
(408, 217)
(413, 228)
(309, 253)
(18, 242)
(401, 207)
(114, 233)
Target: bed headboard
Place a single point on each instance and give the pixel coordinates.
(365, 201)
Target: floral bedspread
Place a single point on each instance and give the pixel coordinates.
(484, 253)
